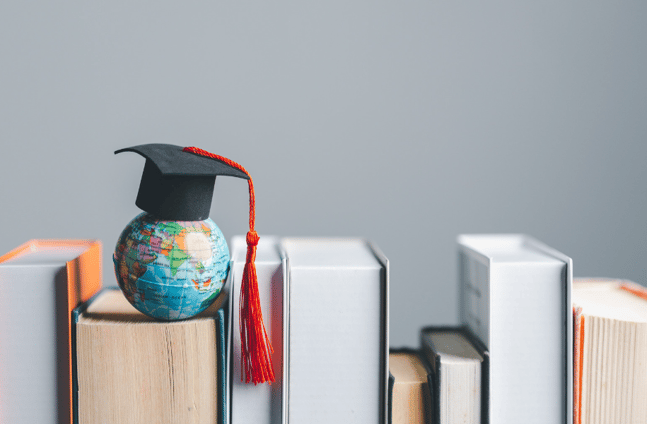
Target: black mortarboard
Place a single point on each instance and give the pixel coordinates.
(178, 185)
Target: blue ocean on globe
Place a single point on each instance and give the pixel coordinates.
(171, 270)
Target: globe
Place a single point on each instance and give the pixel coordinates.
(171, 270)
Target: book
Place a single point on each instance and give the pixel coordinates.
(41, 282)
(267, 400)
(610, 347)
(515, 297)
(337, 331)
(132, 369)
(409, 395)
(459, 375)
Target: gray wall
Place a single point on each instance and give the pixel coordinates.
(405, 122)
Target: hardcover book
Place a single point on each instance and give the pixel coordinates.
(133, 369)
(409, 391)
(516, 298)
(41, 282)
(336, 331)
(459, 375)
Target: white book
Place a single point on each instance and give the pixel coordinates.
(516, 297)
(262, 403)
(41, 281)
(336, 331)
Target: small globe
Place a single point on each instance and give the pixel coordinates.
(171, 270)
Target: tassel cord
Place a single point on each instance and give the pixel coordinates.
(256, 349)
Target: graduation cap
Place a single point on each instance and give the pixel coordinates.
(177, 185)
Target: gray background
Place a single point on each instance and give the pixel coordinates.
(405, 122)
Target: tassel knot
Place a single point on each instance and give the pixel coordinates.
(252, 238)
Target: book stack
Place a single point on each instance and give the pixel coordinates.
(533, 345)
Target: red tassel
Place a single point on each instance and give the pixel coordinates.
(256, 350)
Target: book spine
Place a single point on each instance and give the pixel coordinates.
(75, 314)
(267, 399)
(578, 340)
(84, 281)
(223, 372)
(390, 397)
(384, 276)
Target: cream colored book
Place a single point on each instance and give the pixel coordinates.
(610, 352)
(132, 369)
(410, 396)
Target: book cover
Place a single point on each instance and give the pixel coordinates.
(336, 330)
(515, 296)
(41, 282)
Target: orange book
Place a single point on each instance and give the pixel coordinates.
(41, 282)
(609, 347)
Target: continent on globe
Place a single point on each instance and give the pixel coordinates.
(171, 269)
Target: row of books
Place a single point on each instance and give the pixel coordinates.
(533, 346)
(326, 313)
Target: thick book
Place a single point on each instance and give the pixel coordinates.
(336, 331)
(459, 375)
(610, 351)
(132, 369)
(409, 390)
(515, 296)
(41, 282)
(267, 400)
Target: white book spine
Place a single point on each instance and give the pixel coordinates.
(262, 403)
